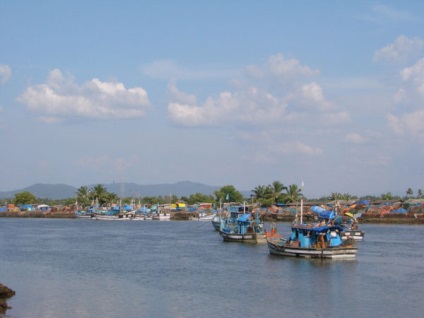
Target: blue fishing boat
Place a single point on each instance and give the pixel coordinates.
(313, 240)
(240, 226)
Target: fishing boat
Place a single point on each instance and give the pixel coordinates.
(240, 226)
(350, 226)
(114, 214)
(313, 240)
(83, 215)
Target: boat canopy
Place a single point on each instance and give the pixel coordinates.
(323, 213)
(321, 229)
(244, 218)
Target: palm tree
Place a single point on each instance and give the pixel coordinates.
(293, 193)
(409, 192)
(277, 187)
(111, 197)
(259, 192)
(83, 196)
(335, 196)
(100, 193)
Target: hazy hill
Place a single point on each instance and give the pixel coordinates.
(63, 191)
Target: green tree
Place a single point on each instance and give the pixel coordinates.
(293, 194)
(409, 192)
(228, 193)
(100, 193)
(335, 196)
(25, 198)
(112, 197)
(259, 192)
(387, 196)
(83, 196)
(277, 188)
(199, 198)
(420, 193)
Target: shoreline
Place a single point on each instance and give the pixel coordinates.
(364, 219)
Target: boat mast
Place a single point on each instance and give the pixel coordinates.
(301, 211)
(301, 207)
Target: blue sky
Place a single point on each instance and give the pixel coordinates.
(218, 92)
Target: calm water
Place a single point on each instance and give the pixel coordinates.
(85, 268)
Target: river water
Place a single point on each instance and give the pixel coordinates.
(84, 268)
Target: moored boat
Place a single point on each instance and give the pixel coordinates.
(242, 227)
(312, 242)
(321, 239)
(350, 226)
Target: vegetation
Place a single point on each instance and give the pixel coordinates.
(228, 193)
(265, 195)
(25, 198)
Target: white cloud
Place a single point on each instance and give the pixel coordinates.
(311, 97)
(408, 118)
(60, 98)
(410, 124)
(281, 68)
(273, 93)
(412, 91)
(250, 106)
(402, 50)
(5, 73)
(354, 138)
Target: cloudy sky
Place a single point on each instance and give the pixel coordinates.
(222, 92)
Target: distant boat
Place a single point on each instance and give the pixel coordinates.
(313, 240)
(240, 226)
(83, 215)
(116, 214)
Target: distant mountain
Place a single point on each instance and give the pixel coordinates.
(63, 191)
(48, 191)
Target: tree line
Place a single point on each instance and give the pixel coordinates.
(265, 195)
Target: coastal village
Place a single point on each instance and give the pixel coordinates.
(380, 211)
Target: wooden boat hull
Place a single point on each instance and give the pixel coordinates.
(255, 238)
(112, 217)
(281, 248)
(83, 216)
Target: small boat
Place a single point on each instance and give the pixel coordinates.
(240, 226)
(312, 242)
(319, 240)
(115, 214)
(88, 213)
(83, 215)
(351, 230)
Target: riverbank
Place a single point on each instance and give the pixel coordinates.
(5, 294)
(25, 214)
(364, 219)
